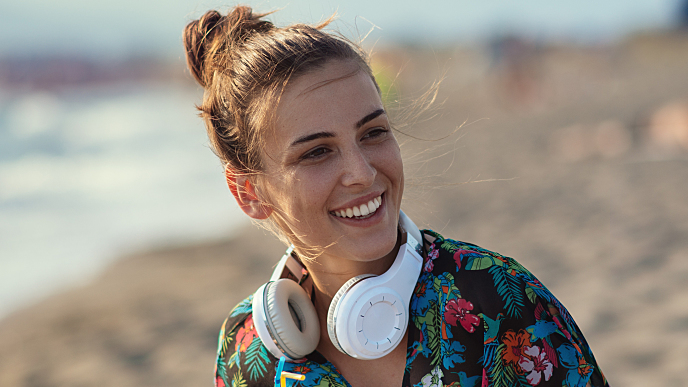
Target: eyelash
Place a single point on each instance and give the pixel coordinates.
(315, 153)
(375, 132)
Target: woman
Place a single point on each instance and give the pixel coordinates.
(296, 117)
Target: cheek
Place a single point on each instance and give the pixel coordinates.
(394, 170)
(391, 165)
(317, 186)
(305, 191)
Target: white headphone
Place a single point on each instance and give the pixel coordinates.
(367, 317)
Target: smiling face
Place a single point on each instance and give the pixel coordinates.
(333, 168)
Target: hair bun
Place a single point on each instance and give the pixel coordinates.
(198, 37)
(203, 38)
(242, 23)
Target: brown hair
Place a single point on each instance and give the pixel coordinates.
(244, 62)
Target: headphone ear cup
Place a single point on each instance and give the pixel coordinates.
(331, 312)
(291, 318)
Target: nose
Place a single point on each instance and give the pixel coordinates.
(357, 168)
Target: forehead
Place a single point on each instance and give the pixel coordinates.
(338, 94)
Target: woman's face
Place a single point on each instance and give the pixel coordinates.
(332, 152)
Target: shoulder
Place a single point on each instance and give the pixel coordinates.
(497, 282)
(467, 256)
(241, 357)
(468, 259)
(523, 323)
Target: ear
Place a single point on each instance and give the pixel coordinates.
(245, 195)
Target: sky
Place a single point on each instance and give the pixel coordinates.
(112, 28)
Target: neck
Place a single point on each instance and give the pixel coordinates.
(329, 273)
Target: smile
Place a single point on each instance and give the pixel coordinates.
(363, 211)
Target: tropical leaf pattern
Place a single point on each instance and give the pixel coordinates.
(477, 318)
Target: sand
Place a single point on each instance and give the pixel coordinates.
(565, 165)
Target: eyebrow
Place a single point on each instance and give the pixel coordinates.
(369, 117)
(318, 135)
(311, 137)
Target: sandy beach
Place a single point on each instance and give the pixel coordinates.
(573, 160)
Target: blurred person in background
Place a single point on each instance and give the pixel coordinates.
(296, 117)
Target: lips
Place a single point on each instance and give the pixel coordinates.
(363, 211)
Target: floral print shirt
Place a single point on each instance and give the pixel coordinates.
(477, 318)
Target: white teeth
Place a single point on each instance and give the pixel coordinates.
(362, 210)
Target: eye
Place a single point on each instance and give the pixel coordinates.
(375, 132)
(314, 154)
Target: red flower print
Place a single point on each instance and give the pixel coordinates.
(219, 382)
(457, 310)
(245, 335)
(460, 253)
(457, 259)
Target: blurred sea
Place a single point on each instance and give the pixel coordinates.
(89, 174)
